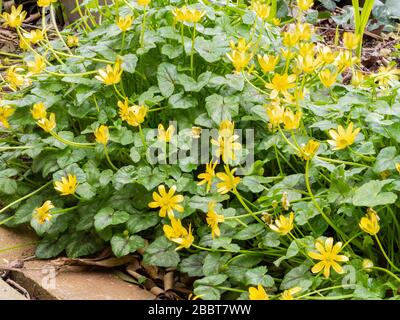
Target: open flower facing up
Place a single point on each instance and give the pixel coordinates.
(283, 225)
(72, 41)
(124, 23)
(328, 256)
(67, 185)
(102, 134)
(42, 214)
(110, 74)
(370, 223)
(167, 201)
(328, 78)
(350, 40)
(47, 124)
(309, 150)
(289, 293)
(39, 111)
(207, 176)
(136, 115)
(281, 84)
(213, 219)
(15, 18)
(5, 113)
(36, 66)
(262, 10)
(165, 135)
(45, 3)
(305, 5)
(342, 138)
(267, 62)
(292, 120)
(228, 180)
(34, 36)
(178, 234)
(186, 14)
(258, 293)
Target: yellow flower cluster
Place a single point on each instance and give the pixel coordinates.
(278, 115)
(186, 14)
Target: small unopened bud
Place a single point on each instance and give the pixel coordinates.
(285, 201)
(367, 265)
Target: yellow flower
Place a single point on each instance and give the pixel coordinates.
(241, 46)
(178, 234)
(370, 223)
(304, 31)
(110, 75)
(23, 43)
(258, 293)
(196, 132)
(305, 5)
(47, 124)
(136, 115)
(239, 59)
(42, 214)
(67, 185)
(350, 40)
(290, 39)
(39, 111)
(328, 78)
(165, 135)
(328, 254)
(102, 135)
(307, 49)
(262, 10)
(167, 201)
(143, 3)
(226, 147)
(213, 219)
(34, 36)
(15, 18)
(72, 41)
(37, 66)
(308, 151)
(307, 63)
(45, 3)
(208, 175)
(186, 14)
(5, 113)
(124, 23)
(228, 180)
(288, 294)
(267, 62)
(275, 115)
(123, 109)
(367, 265)
(280, 84)
(287, 54)
(291, 120)
(15, 79)
(343, 137)
(326, 54)
(276, 21)
(387, 74)
(358, 78)
(344, 59)
(398, 167)
(226, 128)
(283, 225)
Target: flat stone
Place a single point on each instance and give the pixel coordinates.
(43, 281)
(9, 293)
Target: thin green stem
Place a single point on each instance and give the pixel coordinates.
(385, 255)
(109, 160)
(70, 143)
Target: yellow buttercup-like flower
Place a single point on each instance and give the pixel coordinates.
(398, 167)
(165, 135)
(328, 256)
(226, 128)
(136, 115)
(143, 3)
(45, 3)
(226, 147)
(167, 201)
(124, 23)
(110, 74)
(275, 115)
(344, 59)
(307, 63)
(213, 219)
(386, 75)
(262, 10)
(283, 225)
(309, 150)
(258, 293)
(186, 14)
(305, 5)
(291, 120)
(42, 214)
(328, 78)
(281, 84)
(15, 18)
(123, 109)
(288, 294)
(267, 62)
(350, 40)
(15, 79)
(72, 41)
(239, 59)
(367, 265)
(370, 223)
(39, 111)
(178, 234)
(34, 36)
(102, 134)
(47, 124)
(290, 39)
(67, 185)
(326, 54)
(228, 180)
(304, 31)
(343, 138)
(207, 176)
(36, 66)
(5, 113)
(358, 78)
(241, 45)
(307, 49)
